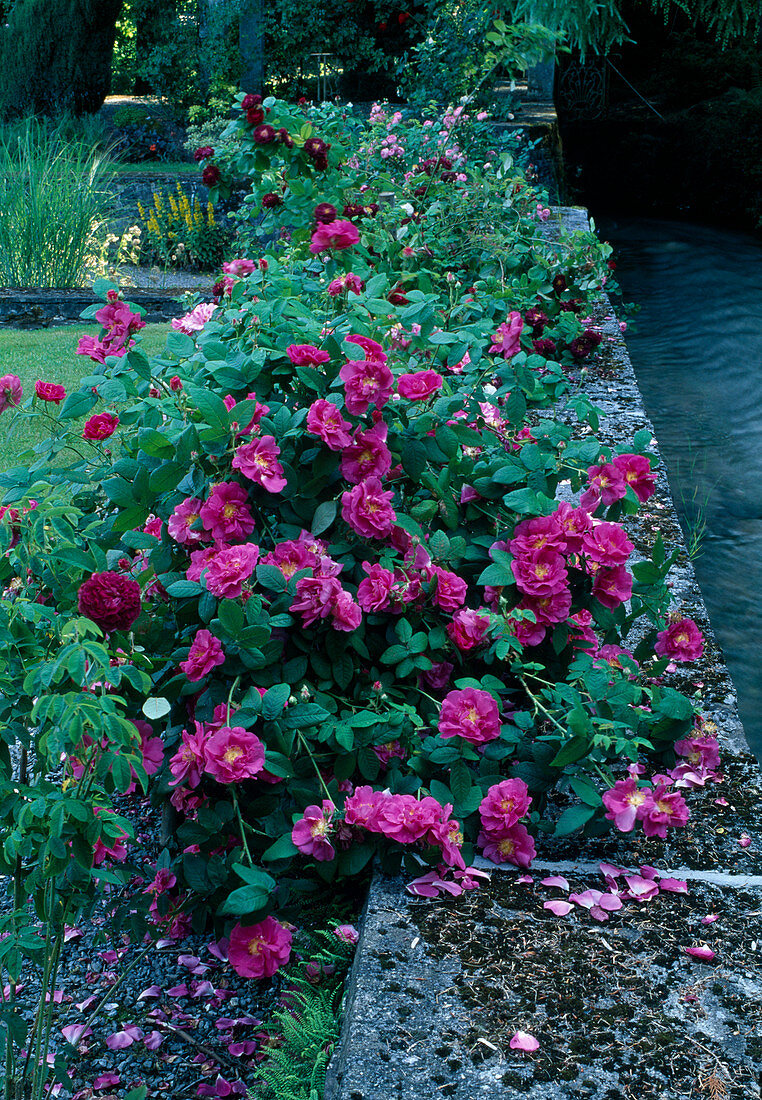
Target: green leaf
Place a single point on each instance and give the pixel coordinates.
(274, 701)
(460, 781)
(180, 346)
(573, 818)
(245, 900)
(413, 458)
(324, 516)
(230, 614)
(570, 752)
(585, 790)
(283, 848)
(211, 407)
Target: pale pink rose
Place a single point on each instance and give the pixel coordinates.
(194, 321)
(506, 341)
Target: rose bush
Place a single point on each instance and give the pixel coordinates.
(372, 618)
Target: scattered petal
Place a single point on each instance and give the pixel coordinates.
(150, 993)
(674, 885)
(710, 919)
(153, 1041)
(703, 953)
(82, 1005)
(72, 934)
(73, 1033)
(642, 889)
(609, 869)
(522, 1040)
(203, 989)
(219, 950)
(744, 840)
(610, 902)
(178, 991)
(560, 908)
(721, 802)
(525, 879)
(555, 880)
(106, 1081)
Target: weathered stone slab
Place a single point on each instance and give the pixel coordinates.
(40, 307)
(620, 1010)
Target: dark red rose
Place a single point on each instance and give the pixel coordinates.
(536, 319)
(325, 212)
(264, 134)
(254, 116)
(320, 162)
(49, 391)
(573, 305)
(285, 138)
(211, 175)
(250, 100)
(315, 147)
(397, 297)
(203, 153)
(611, 265)
(353, 210)
(100, 426)
(559, 284)
(545, 347)
(448, 177)
(271, 200)
(111, 600)
(302, 100)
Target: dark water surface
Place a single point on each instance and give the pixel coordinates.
(697, 352)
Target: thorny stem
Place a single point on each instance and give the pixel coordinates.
(540, 706)
(308, 750)
(241, 828)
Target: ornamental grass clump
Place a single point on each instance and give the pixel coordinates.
(54, 198)
(386, 597)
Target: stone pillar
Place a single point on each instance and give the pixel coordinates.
(251, 44)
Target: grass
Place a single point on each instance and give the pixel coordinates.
(154, 168)
(49, 354)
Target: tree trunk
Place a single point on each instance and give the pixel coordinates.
(251, 44)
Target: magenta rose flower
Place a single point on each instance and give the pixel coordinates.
(187, 765)
(111, 600)
(229, 568)
(194, 321)
(310, 833)
(514, 846)
(607, 543)
(240, 267)
(662, 809)
(471, 714)
(306, 355)
(540, 573)
(682, 640)
(374, 593)
(100, 426)
(226, 515)
(258, 462)
(636, 470)
(315, 597)
(366, 382)
(180, 524)
(205, 654)
(368, 510)
(450, 592)
(624, 803)
(506, 341)
(325, 421)
(468, 629)
(612, 586)
(49, 391)
(233, 754)
(606, 485)
(419, 385)
(367, 455)
(333, 236)
(258, 950)
(503, 805)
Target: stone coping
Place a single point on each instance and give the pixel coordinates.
(439, 987)
(36, 306)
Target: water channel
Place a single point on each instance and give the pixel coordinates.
(696, 346)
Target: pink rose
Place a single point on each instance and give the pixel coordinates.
(419, 385)
(98, 427)
(540, 573)
(194, 321)
(374, 593)
(367, 509)
(366, 382)
(471, 714)
(49, 391)
(233, 754)
(205, 654)
(607, 543)
(225, 514)
(325, 421)
(229, 568)
(258, 950)
(258, 462)
(503, 805)
(507, 339)
(450, 592)
(681, 640)
(310, 833)
(611, 587)
(339, 234)
(180, 524)
(302, 355)
(636, 471)
(468, 629)
(515, 845)
(367, 455)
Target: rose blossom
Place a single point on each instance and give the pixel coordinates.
(701, 752)
(624, 803)
(339, 234)
(681, 640)
(346, 933)
(515, 846)
(366, 382)
(188, 762)
(258, 462)
(506, 341)
(229, 568)
(468, 629)
(419, 385)
(607, 543)
(304, 355)
(471, 714)
(205, 654)
(180, 523)
(541, 573)
(636, 470)
(362, 807)
(346, 282)
(532, 535)
(367, 509)
(345, 613)
(503, 805)
(611, 587)
(225, 514)
(258, 950)
(232, 754)
(450, 592)
(606, 485)
(374, 593)
(49, 391)
(315, 597)
(100, 426)
(366, 455)
(194, 321)
(240, 267)
(111, 600)
(325, 421)
(662, 809)
(199, 561)
(310, 832)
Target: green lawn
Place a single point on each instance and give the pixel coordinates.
(49, 354)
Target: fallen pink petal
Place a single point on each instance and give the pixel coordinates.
(153, 1040)
(522, 1040)
(744, 840)
(710, 918)
(673, 885)
(703, 953)
(106, 1081)
(560, 908)
(555, 880)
